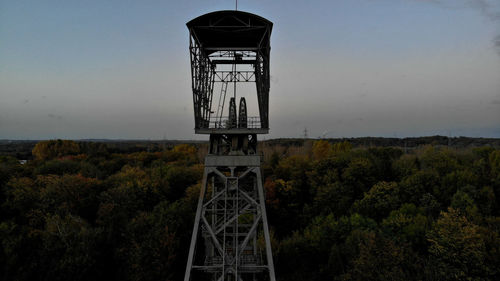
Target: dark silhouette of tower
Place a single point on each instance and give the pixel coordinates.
(228, 48)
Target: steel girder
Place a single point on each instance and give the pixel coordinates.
(230, 217)
(202, 80)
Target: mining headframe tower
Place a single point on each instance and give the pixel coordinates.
(228, 48)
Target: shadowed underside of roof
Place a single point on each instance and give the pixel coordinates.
(231, 30)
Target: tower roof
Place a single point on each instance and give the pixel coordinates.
(231, 30)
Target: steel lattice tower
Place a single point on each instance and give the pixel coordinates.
(230, 239)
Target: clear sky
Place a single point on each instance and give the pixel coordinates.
(342, 68)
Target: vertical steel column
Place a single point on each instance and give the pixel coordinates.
(267, 237)
(236, 208)
(194, 236)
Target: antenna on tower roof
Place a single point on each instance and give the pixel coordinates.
(236, 5)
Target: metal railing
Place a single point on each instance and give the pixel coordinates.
(225, 123)
(244, 260)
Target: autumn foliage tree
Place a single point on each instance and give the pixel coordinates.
(86, 211)
(55, 148)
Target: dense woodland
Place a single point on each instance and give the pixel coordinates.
(81, 211)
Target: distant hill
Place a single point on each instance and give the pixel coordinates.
(21, 149)
(459, 142)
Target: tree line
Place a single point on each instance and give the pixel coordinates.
(81, 211)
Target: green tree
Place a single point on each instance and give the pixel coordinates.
(179, 178)
(414, 186)
(405, 166)
(382, 259)
(379, 201)
(70, 194)
(22, 196)
(457, 249)
(57, 167)
(336, 198)
(360, 174)
(441, 160)
(69, 249)
(409, 224)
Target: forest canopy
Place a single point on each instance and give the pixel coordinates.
(82, 211)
